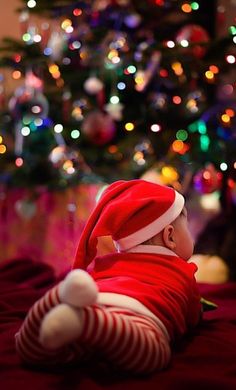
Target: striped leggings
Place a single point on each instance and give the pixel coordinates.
(129, 342)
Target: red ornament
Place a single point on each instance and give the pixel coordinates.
(208, 180)
(98, 127)
(196, 35)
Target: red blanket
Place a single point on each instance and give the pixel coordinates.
(205, 359)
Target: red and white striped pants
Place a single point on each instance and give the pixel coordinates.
(130, 342)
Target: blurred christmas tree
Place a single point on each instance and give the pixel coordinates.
(111, 88)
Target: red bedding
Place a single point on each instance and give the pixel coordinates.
(205, 359)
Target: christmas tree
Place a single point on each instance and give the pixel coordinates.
(116, 89)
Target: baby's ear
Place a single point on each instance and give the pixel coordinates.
(168, 237)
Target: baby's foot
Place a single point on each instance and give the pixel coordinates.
(60, 326)
(78, 289)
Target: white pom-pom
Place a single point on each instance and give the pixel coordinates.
(78, 289)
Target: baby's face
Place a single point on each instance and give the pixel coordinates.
(183, 238)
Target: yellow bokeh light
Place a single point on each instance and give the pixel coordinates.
(113, 53)
(129, 126)
(138, 156)
(77, 113)
(209, 75)
(53, 68)
(67, 164)
(3, 149)
(66, 23)
(176, 65)
(139, 79)
(177, 68)
(191, 103)
(170, 174)
(225, 118)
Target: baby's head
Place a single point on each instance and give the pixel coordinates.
(150, 214)
(175, 236)
(138, 212)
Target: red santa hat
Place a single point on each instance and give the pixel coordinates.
(131, 212)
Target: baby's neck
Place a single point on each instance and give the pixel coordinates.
(157, 249)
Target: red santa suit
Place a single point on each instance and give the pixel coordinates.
(152, 281)
(147, 295)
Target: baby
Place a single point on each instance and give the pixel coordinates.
(126, 307)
